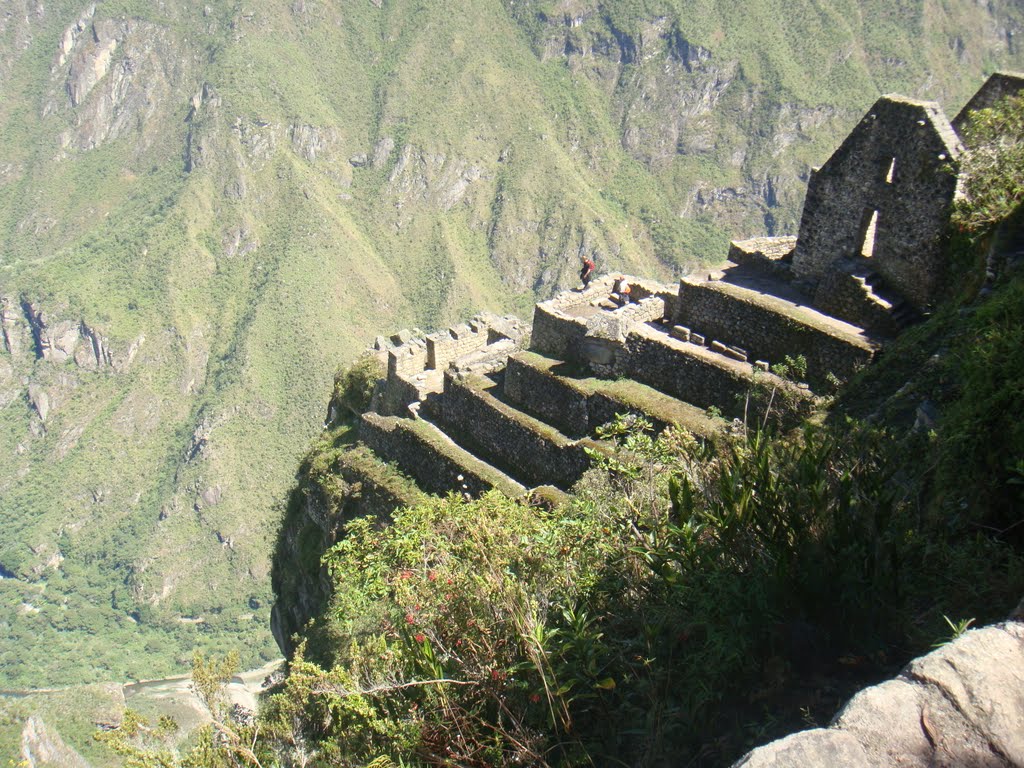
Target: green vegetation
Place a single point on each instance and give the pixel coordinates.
(701, 597)
(353, 386)
(993, 176)
(140, 516)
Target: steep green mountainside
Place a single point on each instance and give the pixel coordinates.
(205, 207)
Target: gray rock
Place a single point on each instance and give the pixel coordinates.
(382, 151)
(961, 705)
(820, 748)
(40, 400)
(680, 332)
(982, 674)
(42, 745)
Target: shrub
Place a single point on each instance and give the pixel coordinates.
(992, 173)
(353, 387)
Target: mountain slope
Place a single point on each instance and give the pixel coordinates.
(205, 207)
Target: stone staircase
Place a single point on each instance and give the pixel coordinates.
(901, 313)
(855, 292)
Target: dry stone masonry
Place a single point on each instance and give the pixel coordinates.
(469, 408)
(491, 404)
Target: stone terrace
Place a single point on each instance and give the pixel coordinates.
(468, 410)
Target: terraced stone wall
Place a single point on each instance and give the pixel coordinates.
(433, 471)
(529, 452)
(547, 398)
(707, 380)
(769, 329)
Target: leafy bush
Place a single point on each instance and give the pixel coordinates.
(450, 637)
(992, 175)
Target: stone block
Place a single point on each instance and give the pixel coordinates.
(696, 338)
(460, 332)
(761, 365)
(735, 353)
(680, 332)
(401, 337)
(719, 347)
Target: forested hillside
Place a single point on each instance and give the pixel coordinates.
(205, 208)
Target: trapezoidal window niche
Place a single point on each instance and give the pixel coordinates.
(869, 228)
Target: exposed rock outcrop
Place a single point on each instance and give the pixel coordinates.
(42, 746)
(118, 74)
(959, 705)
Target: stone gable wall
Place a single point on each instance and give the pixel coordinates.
(769, 329)
(917, 141)
(998, 86)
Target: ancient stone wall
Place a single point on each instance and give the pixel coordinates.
(707, 379)
(885, 193)
(412, 356)
(771, 255)
(561, 324)
(444, 347)
(554, 332)
(547, 397)
(578, 408)
(527, 450)
(432, 469)
(770, 328)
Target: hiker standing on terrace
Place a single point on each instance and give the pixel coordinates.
(587, 271)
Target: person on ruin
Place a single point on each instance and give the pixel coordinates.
(587, 271)
(621, 291)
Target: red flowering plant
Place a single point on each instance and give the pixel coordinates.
(451, 615)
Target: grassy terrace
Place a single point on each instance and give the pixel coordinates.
(634, 396)
(797, 313)
(432, 436)
(488, 391)
(360, 464)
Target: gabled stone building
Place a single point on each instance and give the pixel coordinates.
(880, 205)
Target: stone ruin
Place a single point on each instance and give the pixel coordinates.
(493, 404)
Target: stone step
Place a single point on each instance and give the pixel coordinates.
(706, 379)
(431, 458)
(578, 404)
(526, 448)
